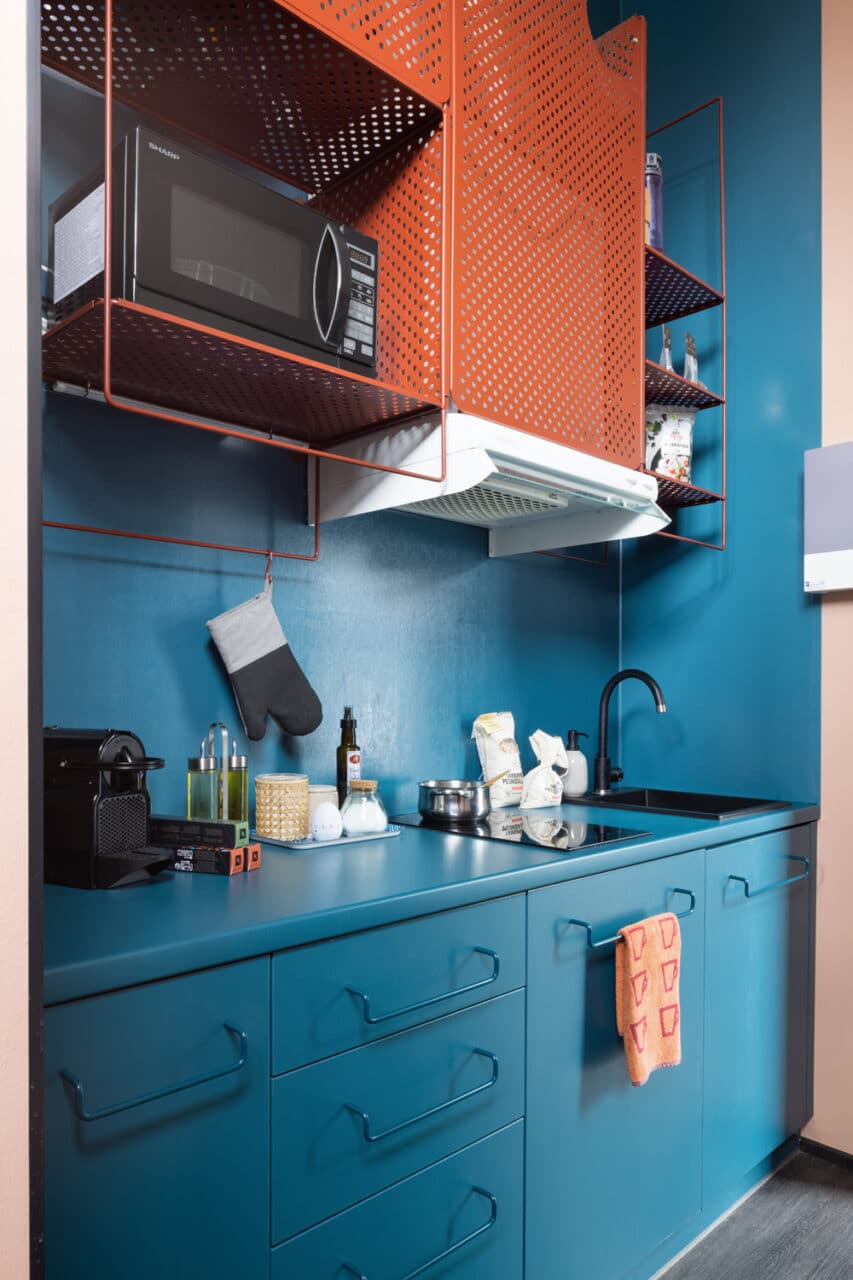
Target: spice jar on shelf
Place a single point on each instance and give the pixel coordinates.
(363, 812)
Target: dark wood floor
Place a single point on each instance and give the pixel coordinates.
(799, 1226)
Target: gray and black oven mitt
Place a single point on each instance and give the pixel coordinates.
(264, 674)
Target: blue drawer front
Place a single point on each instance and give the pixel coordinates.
(337, 995)
(322, 1158)
(442, 1209)
(612, 1169)
(758, 1043)
(177, 1185)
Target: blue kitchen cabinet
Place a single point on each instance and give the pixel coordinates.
(612, 1170)
(460, 1219)
(356, 1123)
(157, 1124)
(758, 980)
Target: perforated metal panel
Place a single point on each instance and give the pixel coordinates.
(122, 823)
(399, 201)
(548, 223)
(247, 76)
(189, 369)
(409, 38)
(672, 292)
(663, 387)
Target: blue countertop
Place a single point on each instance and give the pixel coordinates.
(101, 940)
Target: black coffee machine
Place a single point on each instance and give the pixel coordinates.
(96, 809)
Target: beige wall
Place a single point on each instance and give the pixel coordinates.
(833, 1119)
(14, 1062)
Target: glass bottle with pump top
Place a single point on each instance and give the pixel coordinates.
(203, 785)
(349, 755)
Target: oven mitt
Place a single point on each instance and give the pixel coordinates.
(264, 674)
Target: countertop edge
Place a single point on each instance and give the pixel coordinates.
(78, 979)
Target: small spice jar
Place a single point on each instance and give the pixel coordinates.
(363, 812)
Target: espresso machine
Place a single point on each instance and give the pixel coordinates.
(97, 809)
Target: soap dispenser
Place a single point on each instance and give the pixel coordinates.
(576, 777)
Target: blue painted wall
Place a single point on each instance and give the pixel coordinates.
(731, 636)
(404, 617)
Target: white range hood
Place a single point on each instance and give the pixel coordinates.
(531, 494)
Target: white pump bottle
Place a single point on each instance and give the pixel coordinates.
(576, 777)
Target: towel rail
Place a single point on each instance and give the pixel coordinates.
(603, 942)
(749, 892)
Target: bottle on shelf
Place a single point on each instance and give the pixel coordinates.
(654, 199)
(349, 755)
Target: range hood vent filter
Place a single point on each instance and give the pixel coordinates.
(484, 505)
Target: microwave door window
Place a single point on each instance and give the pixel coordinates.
(230, 255)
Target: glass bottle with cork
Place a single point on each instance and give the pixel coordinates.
(348, 755)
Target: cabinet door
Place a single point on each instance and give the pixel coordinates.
(758, 957)
(144, 1178)
(612, 1170)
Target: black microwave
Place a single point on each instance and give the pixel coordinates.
(200, 241)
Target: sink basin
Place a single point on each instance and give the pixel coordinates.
(682, 804)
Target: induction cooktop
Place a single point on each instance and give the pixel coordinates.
(546, 829)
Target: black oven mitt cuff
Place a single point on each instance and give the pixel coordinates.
(264, 674)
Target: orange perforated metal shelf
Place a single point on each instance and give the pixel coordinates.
(672, 292)
(253, 79)
(547, 298)
(409, 38)
(674, 493)
(187, 368)
(665, 387)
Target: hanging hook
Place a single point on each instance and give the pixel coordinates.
(268, 569)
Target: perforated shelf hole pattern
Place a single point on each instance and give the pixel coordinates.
(399, 201)
(547, 299)
(663, 387)
(672, 494)
(672, 292)
(409, 39)
(247, 76)
(167, 363)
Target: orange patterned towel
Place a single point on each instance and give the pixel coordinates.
(648, 1016)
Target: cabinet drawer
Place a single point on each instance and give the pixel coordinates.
(346, 1128)
(157, 1129)
(467, 1208)
(337, 995)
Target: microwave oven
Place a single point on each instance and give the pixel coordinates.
(197, 240)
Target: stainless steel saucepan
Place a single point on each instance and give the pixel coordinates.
(453, 800)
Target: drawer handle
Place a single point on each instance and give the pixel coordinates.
(454, 1248)
(369, 1136)
(373, 1018)
(80, 1105)
(749, 892)
(604, 942)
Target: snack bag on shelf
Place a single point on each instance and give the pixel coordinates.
(669, 441)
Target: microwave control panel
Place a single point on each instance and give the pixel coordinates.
(359, 340)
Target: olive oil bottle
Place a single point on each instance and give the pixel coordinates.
(349, 755)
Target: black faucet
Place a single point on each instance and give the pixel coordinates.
(603, 774)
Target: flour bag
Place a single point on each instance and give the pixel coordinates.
(497, 748)
(543, 786)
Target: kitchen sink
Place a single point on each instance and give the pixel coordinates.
(682, 804)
